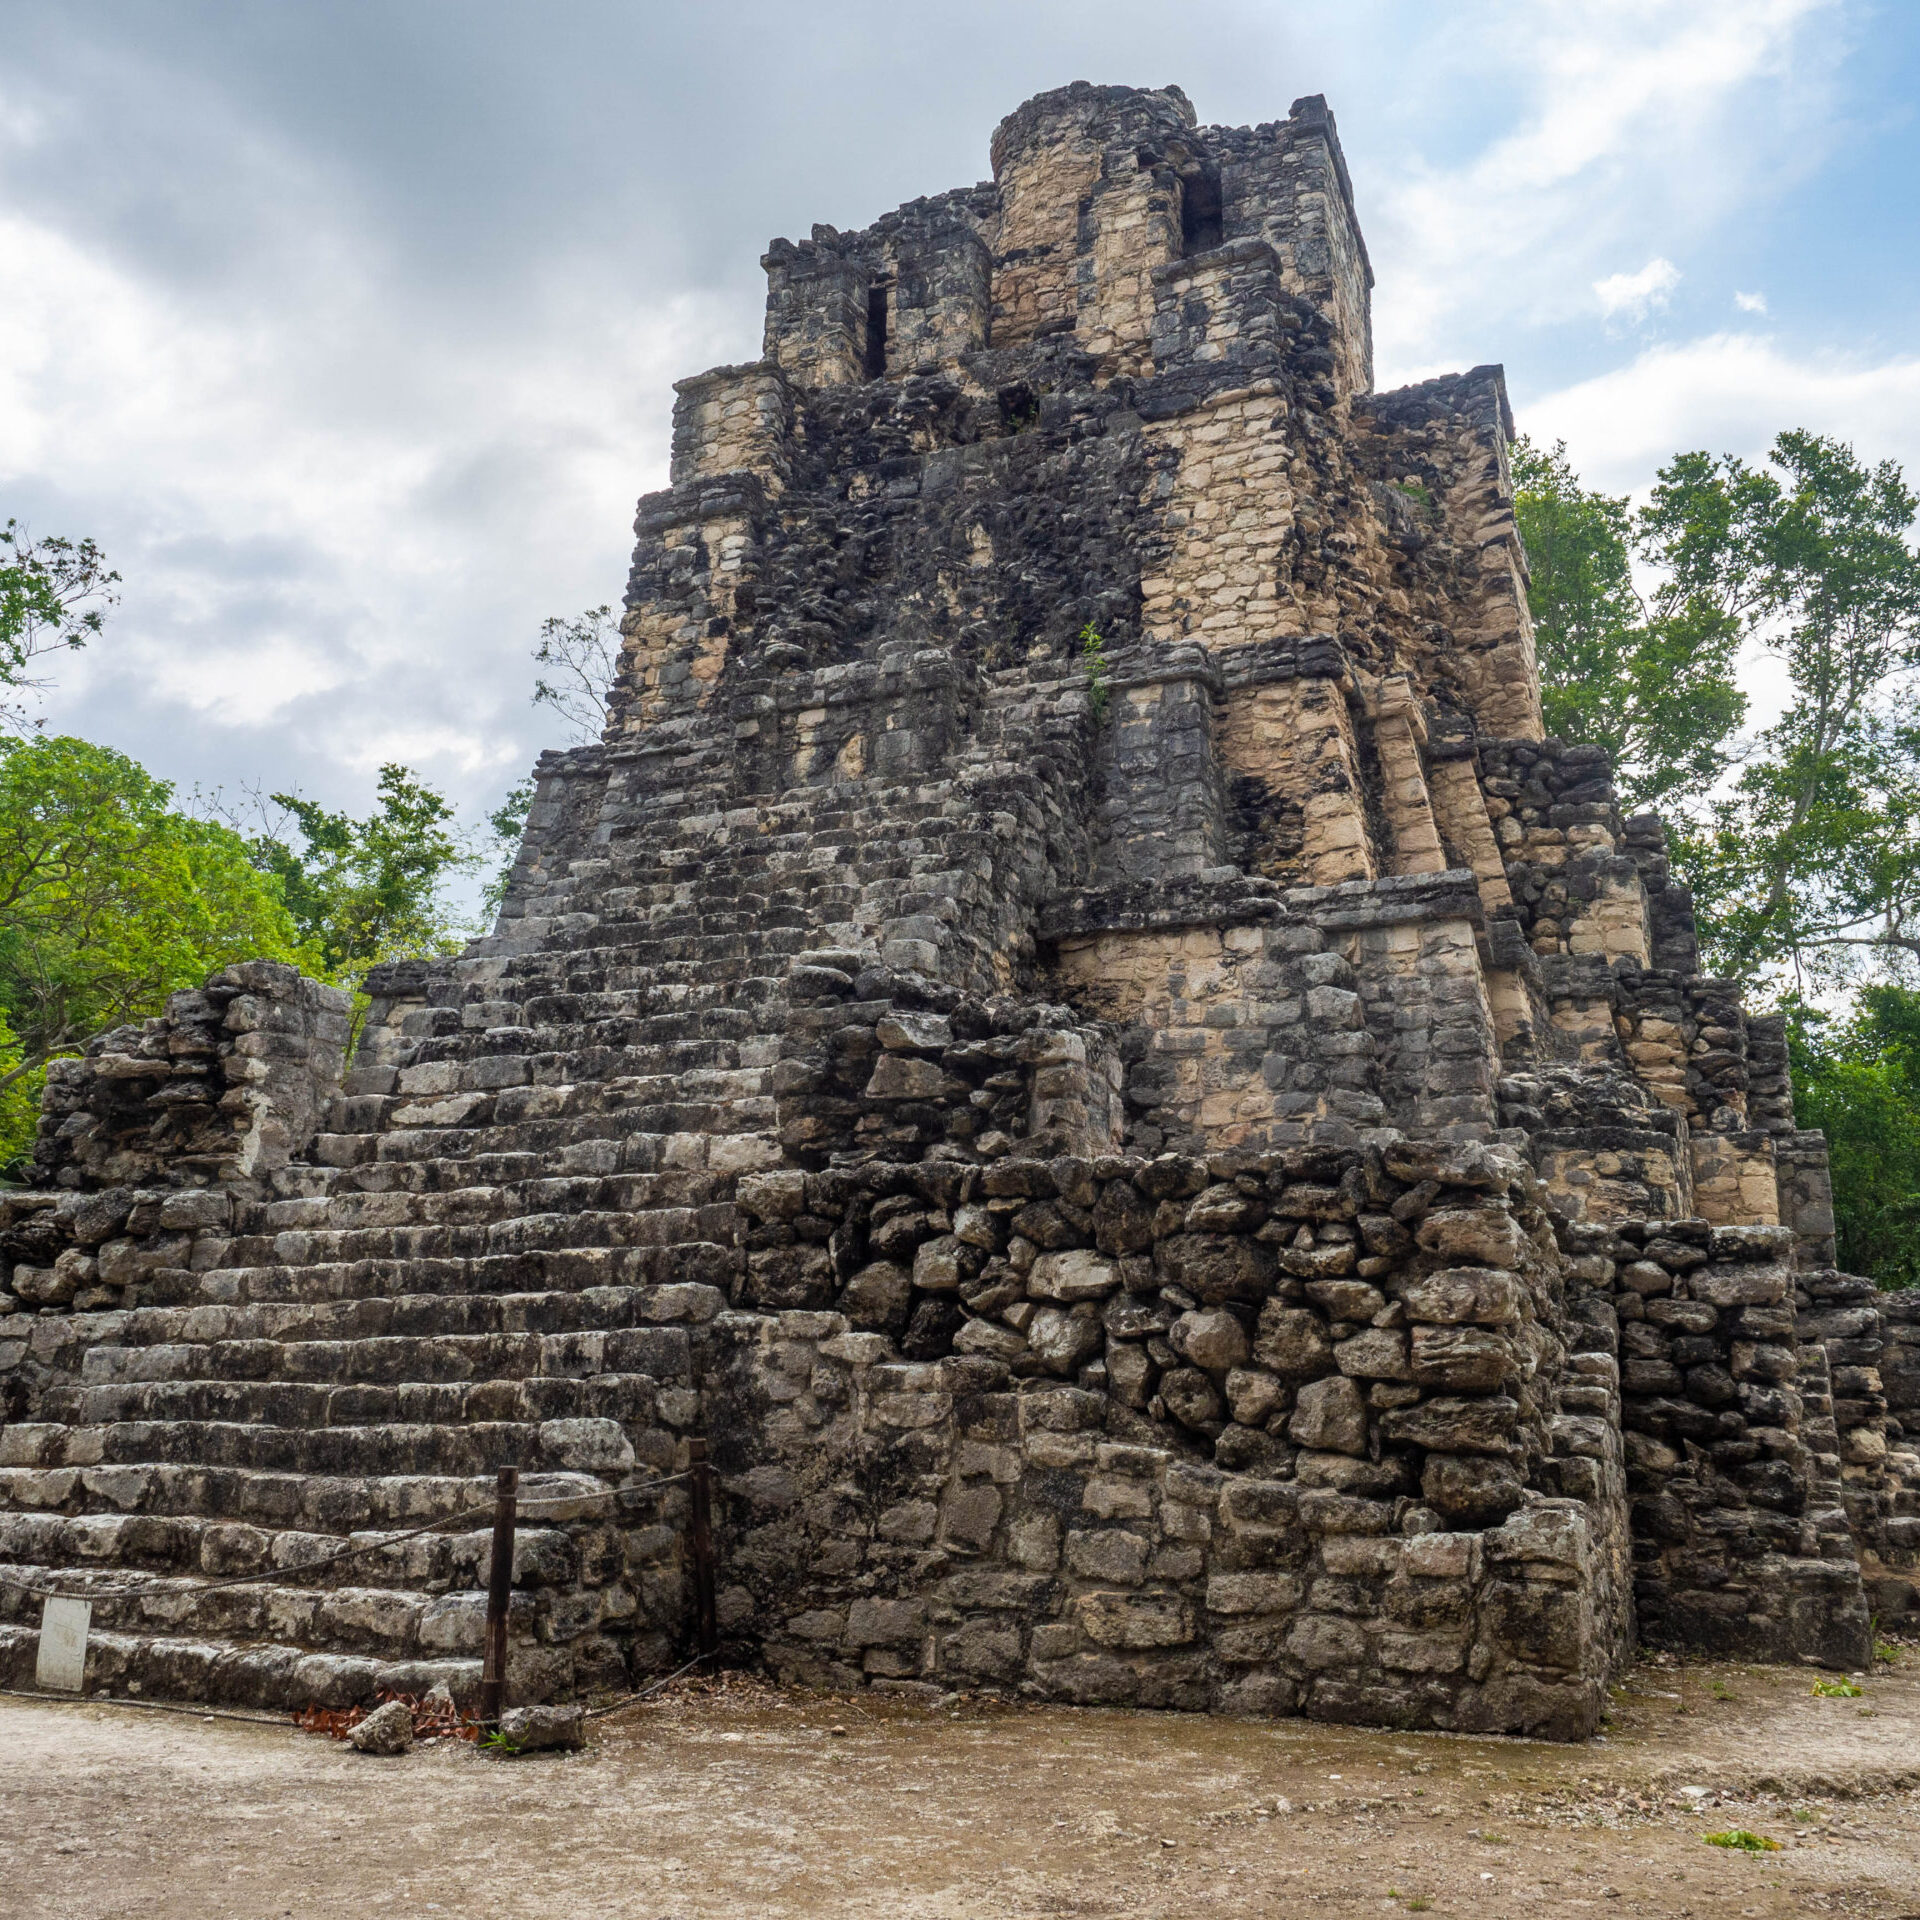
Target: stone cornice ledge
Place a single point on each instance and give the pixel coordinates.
(1224, 896)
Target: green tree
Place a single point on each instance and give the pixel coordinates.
(366, 890)
(1811, 863)
(110, 899)
(1649, 679)
(1858, 1081)
(508, 822)
(54, 594)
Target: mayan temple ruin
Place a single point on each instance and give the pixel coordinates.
(1074, 1027)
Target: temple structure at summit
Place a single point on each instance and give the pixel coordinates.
(1074, 1026)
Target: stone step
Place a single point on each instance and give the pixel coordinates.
(497, 1090)
(400, 1227)
(431, 1193)
(393, 1362)
(382, 1622)
(314, 1510)
(272, 1676)
(425, 1315)
(580, 1443)
(391, 1271)
(373, 1264)
(627, 1398)
(552, 1136)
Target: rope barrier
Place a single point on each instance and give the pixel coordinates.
(145, 1706)
(627, 1700)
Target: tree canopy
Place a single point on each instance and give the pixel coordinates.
(578, 658)
(1858, 1080)
(110, 899)
(1809, 865)
(1651, 679)
(1800, 841)
(365, 890)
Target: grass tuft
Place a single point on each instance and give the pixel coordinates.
(1741, 1841)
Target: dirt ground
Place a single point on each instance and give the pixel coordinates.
(733, 1799)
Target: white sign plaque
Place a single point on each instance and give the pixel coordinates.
(63, 1645)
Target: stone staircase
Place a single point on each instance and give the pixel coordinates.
(505, 1241)
(473, 1266)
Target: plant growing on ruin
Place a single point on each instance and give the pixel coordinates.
(54, 596)
(1093, 657)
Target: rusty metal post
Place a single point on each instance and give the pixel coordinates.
(706, 1625)
(493, 1671)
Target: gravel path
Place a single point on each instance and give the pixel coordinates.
(746, 1801)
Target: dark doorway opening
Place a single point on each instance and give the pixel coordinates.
(876, 366)
(1199, 212)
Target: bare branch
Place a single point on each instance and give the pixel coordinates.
(582, 655)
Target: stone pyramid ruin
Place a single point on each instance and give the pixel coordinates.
(1073, 1026)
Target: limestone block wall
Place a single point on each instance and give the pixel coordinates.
(224, 1087)
(873, 1065)
(819, 314)
(1806, 1195)
(1604, 1149)
(700, 548)
(1290, 750)
(1224, 495)
(1866, 1345)
(1735, 1181)
(939, 297)
(1162, 802)
(1288, 185)
(1129, 231)
(1412, 836)
(1739, 1547)
(1219, 310)
(1255, 1017)
(732, 419)
(1264, 1433)
(1437, 453)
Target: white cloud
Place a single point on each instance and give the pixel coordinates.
(1640, 125)
(1750, 302)
(1635, 295)
(1727, 393)
(331, 515)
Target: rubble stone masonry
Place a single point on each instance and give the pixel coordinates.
(1074, 1026)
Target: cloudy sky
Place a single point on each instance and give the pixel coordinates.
(348, 329)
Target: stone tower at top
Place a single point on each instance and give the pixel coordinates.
(1059, 581)
(1072, 1023)
(1059, 533)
